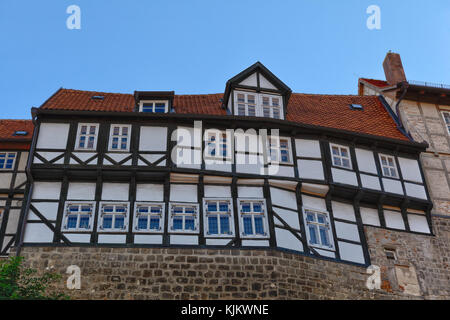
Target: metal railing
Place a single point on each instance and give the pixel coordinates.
(429, 84)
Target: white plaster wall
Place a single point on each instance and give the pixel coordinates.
(250, 81)
(20, 179)
(347, 231)
(283, 198)
(370, 216)
(366, 161)
(410, 170)
(38, 232)
(47, 190)
(290, 217)
(183, 192)
(152, 158)
(218, 167)
(53, 136)
(148, 239)
(186, 240)
(394, 220)
(48, 209)
(308, 148)
(255, 243)
(314, 203)
(78, 237)
(23, 161)
(370, 182)
(153, 139)
(84, 156)
(344, 176)
(5, 180)
(351, 252)
(149, 192)
(249, 163)
(264, 83)
(115, 191)
(187, 158)
(250, 192)
(418, 223)
(217, 191)
(217, 242)
(326, 253)
(13, 221)
(281, 171)
(310, 169)
(415, 190)
(81, 191)
(393, 186)
(112, 238)
(285, 239)
(343, 211)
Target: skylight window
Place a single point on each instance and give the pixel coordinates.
(356, 107)
(97, 97)
(20, 133)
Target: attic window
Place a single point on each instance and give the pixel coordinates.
(356, 107)
(97, 97)
(20, 133)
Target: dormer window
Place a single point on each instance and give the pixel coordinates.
(258, 105)
(161, 106)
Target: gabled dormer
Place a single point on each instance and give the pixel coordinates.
(256, 92)
(154, 101)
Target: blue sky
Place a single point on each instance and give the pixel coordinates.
(194, 46)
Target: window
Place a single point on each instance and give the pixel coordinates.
(279, 150)
(340, 156)
(318, 229)
(390, 253)
(113, 217)
(7, 160)
(154, 106)
(388, 166)
(218, 145)
(183, 218)
(271, 107)
(78, 216)
(253, 218)
(218, 217)
(119, 137)
(87, 137)
(258, 105)
(446, 115)
(149, 217)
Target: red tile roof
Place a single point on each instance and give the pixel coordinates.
(376, 83)
(330, 111)
(10, 141)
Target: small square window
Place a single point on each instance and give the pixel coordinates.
(78, 216)
(279, 150)
(388, 166)
(119, 137)
(154, 106)
(113, 217)
(218, 218)
(253, 218)
(87, 136)
(318, 229)
(183, 218)
(340, 156)
(7, 160)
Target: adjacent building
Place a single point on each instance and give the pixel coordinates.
(15, 141)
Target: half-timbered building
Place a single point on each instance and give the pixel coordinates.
(15, 141)
(257, 166)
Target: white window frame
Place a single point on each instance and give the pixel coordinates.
(77, 144)
(218, 214)
(444, 112)
(101, 215)
(266, 234)
(340, 156)
(277, 148)
(317, 224)
(120, 136)
(166, 103)
(397, 176)
(67, 204)
(184, 215)
(7, 154)
(219, 145)
(271, 105)
(149, 215)
(259, 109)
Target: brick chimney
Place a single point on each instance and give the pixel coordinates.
(393, 68)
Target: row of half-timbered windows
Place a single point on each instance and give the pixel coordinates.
(183, 217)
(258, 105)
(7, 160)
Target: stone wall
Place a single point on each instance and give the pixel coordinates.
(421, 271)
